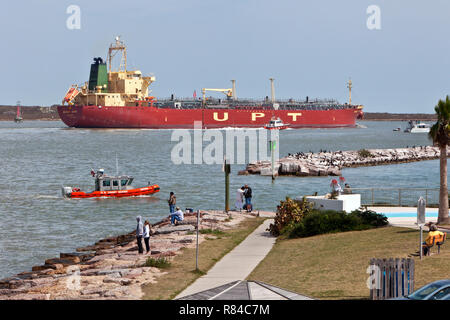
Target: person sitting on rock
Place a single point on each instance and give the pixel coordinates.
(176, 216)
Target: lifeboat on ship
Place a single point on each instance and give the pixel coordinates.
(276, 124)
(110, 186)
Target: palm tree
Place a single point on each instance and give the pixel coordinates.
(439, 133)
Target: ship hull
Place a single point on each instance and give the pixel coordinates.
(116, 193)
(210, 118)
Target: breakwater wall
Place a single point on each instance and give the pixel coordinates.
(331, 163)
(8, 113)
(112, 268)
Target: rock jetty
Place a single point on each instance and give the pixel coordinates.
(331, 163)
(112, 267)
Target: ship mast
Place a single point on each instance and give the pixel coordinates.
(112, 51)
(272, 90)
(349, 86)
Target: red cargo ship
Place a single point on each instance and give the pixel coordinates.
(119, 99)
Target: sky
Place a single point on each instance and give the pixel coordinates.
(310, 48)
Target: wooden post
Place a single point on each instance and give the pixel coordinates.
(227, 169)
(272, 148)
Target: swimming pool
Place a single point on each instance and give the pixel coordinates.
(428, 214)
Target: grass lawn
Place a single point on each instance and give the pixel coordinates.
(181, 272)
(333, 266)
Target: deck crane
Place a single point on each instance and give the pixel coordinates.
(227, 92)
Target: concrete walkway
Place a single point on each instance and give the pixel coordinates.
(238, 263)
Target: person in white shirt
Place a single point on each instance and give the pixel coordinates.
(146, 235)
(239, 199)
(176, 216)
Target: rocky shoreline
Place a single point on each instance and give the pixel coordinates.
(331, 163)
(112, 268)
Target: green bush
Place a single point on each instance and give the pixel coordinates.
(289, 211)
(321, 222)
(371, 218)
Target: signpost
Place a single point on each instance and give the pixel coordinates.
(196, 249)
(421, 205)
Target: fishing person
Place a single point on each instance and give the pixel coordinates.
(139, 234)
(172, 202)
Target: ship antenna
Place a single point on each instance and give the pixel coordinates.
(349, 86)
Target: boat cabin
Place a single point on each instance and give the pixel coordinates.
(108, 183)
(276, 122)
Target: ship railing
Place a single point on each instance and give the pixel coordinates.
(285, 101)
(397, 196)
(316, 104)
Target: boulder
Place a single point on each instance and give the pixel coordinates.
(170, 229)
(64, 261)
(92, 291)
(44, 267)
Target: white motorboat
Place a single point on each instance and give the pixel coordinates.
(276, 123)
(417, 127)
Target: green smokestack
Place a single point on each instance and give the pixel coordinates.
(98, 75)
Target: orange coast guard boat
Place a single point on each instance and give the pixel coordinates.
(110, 186)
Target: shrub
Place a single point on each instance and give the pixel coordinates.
(289, 211)
(320, 222)
(363, 153)
(371, 218)
(160, 262)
